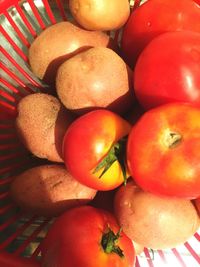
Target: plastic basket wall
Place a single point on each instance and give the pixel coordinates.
(20, 237)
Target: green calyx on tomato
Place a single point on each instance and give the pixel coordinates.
(116, 152)
(109, 242)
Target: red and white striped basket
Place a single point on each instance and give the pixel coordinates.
(20, 236)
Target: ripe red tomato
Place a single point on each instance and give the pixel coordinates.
(168, 70)
(95, 140)
(153, 18)
(163, 151)
(86, 236)
(197, 1)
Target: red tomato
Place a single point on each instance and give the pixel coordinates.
(80, 237)
(163, 151)
(91, 140)
(197, 1)
(168, 70)
(156, 17)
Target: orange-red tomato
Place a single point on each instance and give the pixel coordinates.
(92, 139)
(85, 236)
(163, 151)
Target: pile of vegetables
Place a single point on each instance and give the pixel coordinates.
(119, 126)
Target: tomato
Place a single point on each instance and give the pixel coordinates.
(197, 1)
(163, 151)
(168, 70)
(93, 149)
(153, 18)
(86, 236)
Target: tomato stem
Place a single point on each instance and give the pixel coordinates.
(172, 139)
(109, 242)
(116, 152)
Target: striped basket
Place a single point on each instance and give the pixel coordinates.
(20, 236)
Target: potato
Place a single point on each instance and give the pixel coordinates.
(138, 248)
(100, 14)
(41, 124)
(48, 190)
(96, 78)
(58, 43)
(153, 221)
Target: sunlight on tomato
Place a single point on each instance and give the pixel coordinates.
(88, 141)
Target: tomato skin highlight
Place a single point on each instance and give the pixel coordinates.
(87, 141)
(170, 74)
(75, 240)
(154, 18)
(157, 161)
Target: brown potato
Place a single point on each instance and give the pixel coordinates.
(100, 14)
(41, 124)
(153, 221)
(58, 43)
(96, 78)
(49, 190)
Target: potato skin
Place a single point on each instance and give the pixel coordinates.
(58, 43)
(100, 14)
(96, 78)
(153, 221)
(41, 124)
(49, 190)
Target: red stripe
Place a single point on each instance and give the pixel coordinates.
(22, 71)
(7, 113)
(25, 20)
(4, 125)
(136, 4)
(162, 255)
(12, 167)
(36, 13)
(16, 29)
(11, 87)
(16, 78)
(10, 221)
(192, 252)
(3, 195)
(179, 258)
(11, 156)
(6, 181)
(16, 48)
(8, 146)
(6, 208)
(7, 96)
(7, 136)
(49, 11)
(61, 9)
(7, 110)
(36, 252)
(197, 236)
(31, 238)
(17, 233)
(148, 257)
(137, 262)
